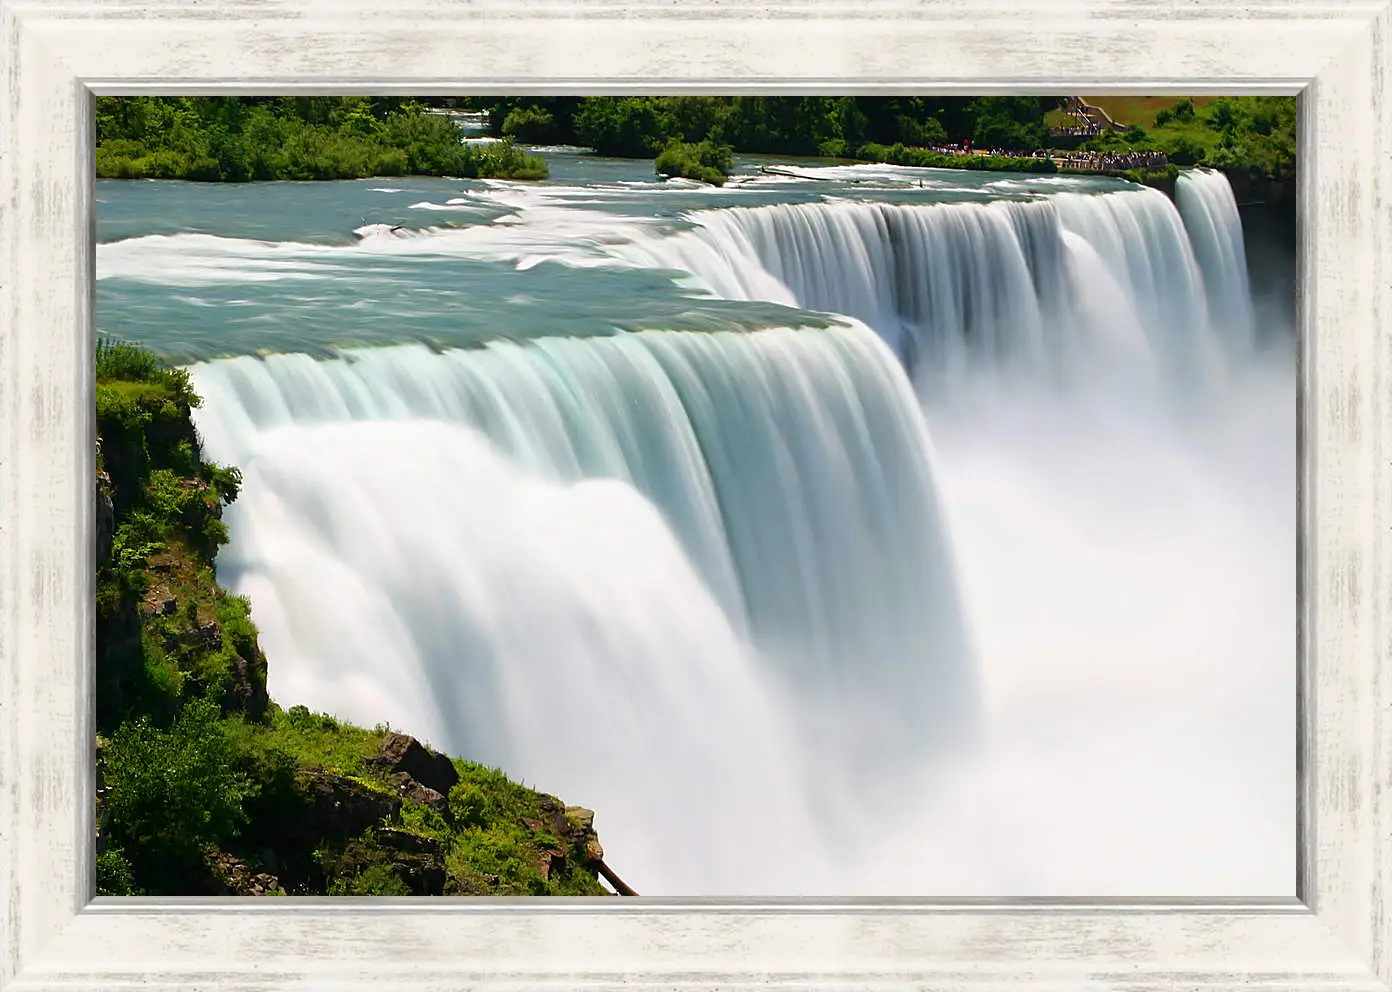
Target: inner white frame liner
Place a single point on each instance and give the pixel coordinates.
(58, 53)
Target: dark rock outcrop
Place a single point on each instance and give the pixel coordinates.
(246, 692)
(581, 821)
(418, 861)
(410, 789)
(402, 753)
(340, 808)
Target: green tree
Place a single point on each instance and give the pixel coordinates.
(173, 790)
(532, 125)
(625, 126)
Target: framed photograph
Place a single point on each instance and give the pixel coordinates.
(929, 524)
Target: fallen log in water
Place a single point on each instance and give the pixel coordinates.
(773, 170)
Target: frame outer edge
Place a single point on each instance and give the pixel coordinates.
(46, 585)
(47, 594)
(1346, 216)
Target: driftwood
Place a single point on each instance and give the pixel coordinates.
(773, 170)
(620, 886)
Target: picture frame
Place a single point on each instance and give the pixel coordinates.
(58, 54)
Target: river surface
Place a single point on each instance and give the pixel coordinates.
(871, 530)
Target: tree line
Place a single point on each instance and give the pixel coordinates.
(250, 138)
(643, 126)
(695, 134)
(237, 139)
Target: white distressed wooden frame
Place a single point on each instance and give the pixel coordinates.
(57, 53)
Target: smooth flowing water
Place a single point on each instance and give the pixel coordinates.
(885, 531)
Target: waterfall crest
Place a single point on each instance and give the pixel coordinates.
(1072, 289)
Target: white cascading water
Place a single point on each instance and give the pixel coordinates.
(491, 569)
(1083, 289)
(1205, 201)
(704, 584)
(1122, 501)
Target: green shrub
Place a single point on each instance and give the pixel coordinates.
(374, 880)
(173, 790)
(703, 161)
(115, 877)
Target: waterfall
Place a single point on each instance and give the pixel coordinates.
(1073, 288)
(690, 579)
(1206, 202)
(723, 588)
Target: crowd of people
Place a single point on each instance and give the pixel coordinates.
(1083, 161)
(1111, 161)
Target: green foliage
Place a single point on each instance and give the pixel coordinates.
(162, 673)
(703, 161)
(1182, 111)
(421, 819)
(530, 125)
(1248, 135)
(628, 127)
(173, 791)
(236, 139)
(1009, 123)
(115, 876)
(1163, 177)
(121, 362)
(318, 741)
(492, 837)
(1112, 143)
(921, 133)
(641, 127)
(469, 804)
(923, 158)
(374, 880)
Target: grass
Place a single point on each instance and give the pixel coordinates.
(1140, 110)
